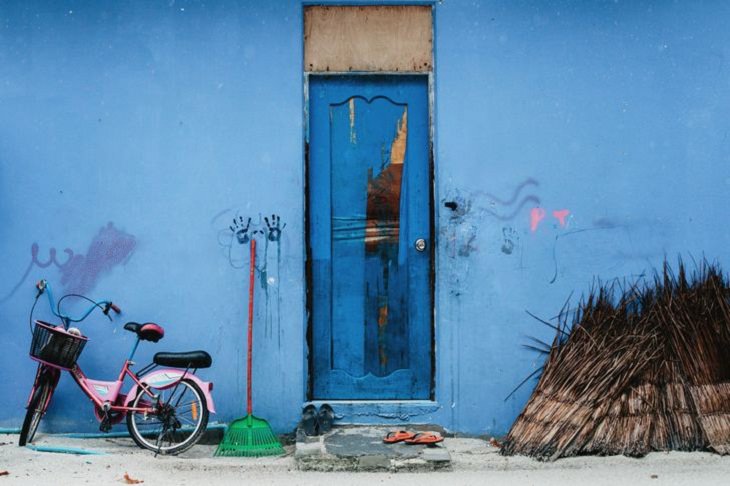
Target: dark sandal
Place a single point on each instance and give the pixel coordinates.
(309, 420)
(325, 418)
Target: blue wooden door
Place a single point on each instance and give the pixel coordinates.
(369, 204)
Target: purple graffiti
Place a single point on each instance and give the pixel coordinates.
(509, 203)
(80, 273)
(109, 248)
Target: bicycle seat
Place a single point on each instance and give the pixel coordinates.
(191, 359)
(148, 331)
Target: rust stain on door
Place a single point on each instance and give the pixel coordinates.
(382, 328)
(398, 147)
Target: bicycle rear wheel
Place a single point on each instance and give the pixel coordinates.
(36, 408)
(179, 420)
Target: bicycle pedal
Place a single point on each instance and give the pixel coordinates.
(105, 426)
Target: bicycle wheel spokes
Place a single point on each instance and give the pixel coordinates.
(179, 418)
(36, 409)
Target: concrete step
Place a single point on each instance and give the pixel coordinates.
(361, 448)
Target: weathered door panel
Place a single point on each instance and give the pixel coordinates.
(369, 202)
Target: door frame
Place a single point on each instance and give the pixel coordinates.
(309, 368)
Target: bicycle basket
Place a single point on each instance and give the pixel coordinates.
(53, 345)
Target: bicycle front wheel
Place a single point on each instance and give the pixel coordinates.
(36, 409)
(179, 419)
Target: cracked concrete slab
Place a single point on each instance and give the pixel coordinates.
(361, 448)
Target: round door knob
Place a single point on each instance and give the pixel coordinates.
(420, 244)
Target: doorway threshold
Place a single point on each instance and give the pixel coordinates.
(385, 412)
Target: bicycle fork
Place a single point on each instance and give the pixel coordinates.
(52, 375)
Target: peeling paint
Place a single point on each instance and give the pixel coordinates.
(382, 328)
(398, 147)
(383, 315)
(384, 191)
(353, 134)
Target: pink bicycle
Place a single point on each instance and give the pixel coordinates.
(166, 409)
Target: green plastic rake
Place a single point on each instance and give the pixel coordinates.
(249, 436)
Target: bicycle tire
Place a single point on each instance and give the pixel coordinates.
(198, 406)
(36, 409)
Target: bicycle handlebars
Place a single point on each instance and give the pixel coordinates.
(105, 305)
(111, 306)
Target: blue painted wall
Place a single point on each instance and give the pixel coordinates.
(166, 119)
(169, 119)
(616, 112)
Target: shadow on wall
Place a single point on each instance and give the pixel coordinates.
(80, 272)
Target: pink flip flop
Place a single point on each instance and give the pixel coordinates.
(398, 436)
(424, 438)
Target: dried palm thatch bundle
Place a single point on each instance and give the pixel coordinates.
(635, 368)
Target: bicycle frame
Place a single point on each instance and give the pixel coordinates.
(101, 393)
(108, 394)
(144, 397)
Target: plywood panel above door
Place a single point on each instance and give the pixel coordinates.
(377, 38)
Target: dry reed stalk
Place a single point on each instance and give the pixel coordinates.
(635, 368)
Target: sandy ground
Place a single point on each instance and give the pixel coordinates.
(474, 462)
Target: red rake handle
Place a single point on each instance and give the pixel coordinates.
(250, 327)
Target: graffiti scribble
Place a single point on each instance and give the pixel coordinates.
(510, 236)
(274, 227)
(466, 210)
(536, 215)
(555, 247)
(80, 273)
(109, 248)
(561, 215)
(240, 230)
(527, 182)
(235, 238)
(467, 245)
(509, 203)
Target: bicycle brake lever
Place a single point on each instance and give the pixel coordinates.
(41, 286)
(110, 306)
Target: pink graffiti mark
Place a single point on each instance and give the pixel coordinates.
(80, 273)
(561, 215)
(536, 215)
